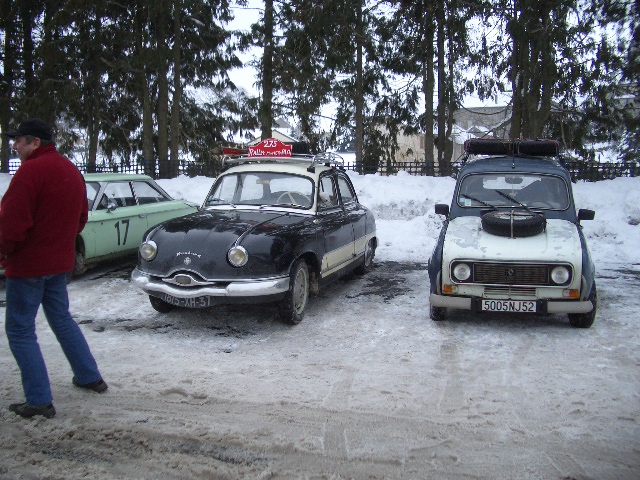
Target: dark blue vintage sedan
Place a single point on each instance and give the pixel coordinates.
(273, 228)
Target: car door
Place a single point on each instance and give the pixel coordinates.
(157, 205)
(336, 230)
(355, 214)
(117, 222)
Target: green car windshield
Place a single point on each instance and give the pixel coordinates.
(262, 189)
(510, 189)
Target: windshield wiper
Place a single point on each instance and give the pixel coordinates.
(493, 207)
(284, 205)
(222, 202)
(505, 195)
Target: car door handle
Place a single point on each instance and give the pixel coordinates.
(142, 215)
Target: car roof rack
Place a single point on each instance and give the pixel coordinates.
(328, 159)
(274, 151)
(508, 147)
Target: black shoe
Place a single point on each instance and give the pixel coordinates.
(25, 410)
(98, 386)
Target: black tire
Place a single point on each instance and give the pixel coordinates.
(160, 305)
(437, 314)
(511, 223)
(79, 266)
(585, 320)
(292, 307)
(367, 261)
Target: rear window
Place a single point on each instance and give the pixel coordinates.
(146, 193)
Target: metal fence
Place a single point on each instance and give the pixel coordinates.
(185, 167)
(588, 171)
(425, 169)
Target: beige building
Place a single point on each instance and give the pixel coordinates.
(469, 123)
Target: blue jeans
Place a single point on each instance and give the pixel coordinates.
(24, 296)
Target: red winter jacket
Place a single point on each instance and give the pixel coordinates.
(41, 213)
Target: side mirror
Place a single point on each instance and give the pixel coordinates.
(111, 206)
(442, 209)
(585, 214)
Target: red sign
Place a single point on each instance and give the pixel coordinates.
(270, 148)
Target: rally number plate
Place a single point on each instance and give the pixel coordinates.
(523, 306)
(197, 302)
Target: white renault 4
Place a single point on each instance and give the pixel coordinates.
(512, 239)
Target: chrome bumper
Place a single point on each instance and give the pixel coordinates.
(464, 303)
(250, 288)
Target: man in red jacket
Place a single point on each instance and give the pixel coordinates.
(41, 213)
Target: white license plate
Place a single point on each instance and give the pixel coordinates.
(524, 306)
(197, 302)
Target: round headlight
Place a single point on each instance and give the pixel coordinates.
(462, 271)
(560, 275)
(238, 256)
(148, 250)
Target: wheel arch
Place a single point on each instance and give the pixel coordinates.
(80, 263)
(80, 245)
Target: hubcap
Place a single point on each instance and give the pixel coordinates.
(300, 291)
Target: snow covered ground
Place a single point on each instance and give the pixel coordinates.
(365, 387)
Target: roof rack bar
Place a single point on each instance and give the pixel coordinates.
(497, 146)
(245, 158)
(328, 158)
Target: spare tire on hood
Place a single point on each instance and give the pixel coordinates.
(513, 223)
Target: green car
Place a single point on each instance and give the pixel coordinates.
(122, 207)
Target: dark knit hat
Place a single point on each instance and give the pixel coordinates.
(33, 127)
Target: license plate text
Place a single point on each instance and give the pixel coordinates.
(525, 306)
(197, 302)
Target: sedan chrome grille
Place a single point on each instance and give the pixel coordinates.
(510, 274)
(186, 279)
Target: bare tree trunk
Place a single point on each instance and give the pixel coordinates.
(451, 99)
(148, 156)
(148, 153)
(28, 58)
(517, 78)
(442, 94)
(177, 90)
(428, 82)
(6, 80)
(359, 93)
(266, 107)
(90, 100)
(92, 132)
(163, 94)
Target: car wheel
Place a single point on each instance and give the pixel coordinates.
(367, 261)
(160, 305)
(291, 308)
(585, 320)
(513, 224)
(437, 313)
(79, 266)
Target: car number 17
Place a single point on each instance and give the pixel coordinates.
(122, 236)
